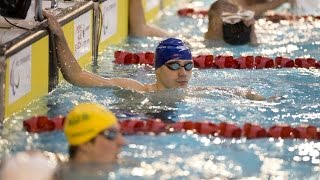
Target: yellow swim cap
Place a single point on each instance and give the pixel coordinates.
(85, 121)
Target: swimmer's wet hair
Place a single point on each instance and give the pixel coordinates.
(236, 34)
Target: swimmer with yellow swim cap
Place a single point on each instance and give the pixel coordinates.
(93, 134)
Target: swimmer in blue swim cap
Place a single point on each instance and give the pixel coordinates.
(173, 66)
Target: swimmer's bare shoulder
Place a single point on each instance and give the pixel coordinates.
(151, 87)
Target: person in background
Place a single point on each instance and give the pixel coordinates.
(233, 21)
(28, 165)
(260, 6)
(173, 67)
(138, 25)
(228, 22)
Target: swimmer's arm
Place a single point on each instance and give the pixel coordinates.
(73, 72)
(249, 94)
(75, 75)
(214, 29)
(88, 79)
(137, 22)
(259, 9)
(246, 93)
(253, 36)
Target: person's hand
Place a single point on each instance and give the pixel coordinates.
(53, 24)
(252, 95)
(249, 22)
(276, 98)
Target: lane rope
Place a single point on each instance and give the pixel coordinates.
(198, 13)
(40, 124)
(222, 61)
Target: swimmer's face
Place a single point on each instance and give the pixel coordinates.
(107, 145)
(174, 74)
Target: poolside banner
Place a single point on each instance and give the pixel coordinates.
(109, 19)
(20, 74)
(82, 34)
(152, 4)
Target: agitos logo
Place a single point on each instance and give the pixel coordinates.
(14, 77)
(105, 20)
(106, 16)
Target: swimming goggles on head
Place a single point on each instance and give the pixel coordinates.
(110, 134)
(176, 66)
(233, 18)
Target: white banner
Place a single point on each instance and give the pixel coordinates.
(152, 4)
(20, 74)
(110, 19)
(306, 7)
(82, 34)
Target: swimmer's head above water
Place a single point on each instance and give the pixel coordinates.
(173, 64)
(230, 22)
(171, 49)
(237, 27)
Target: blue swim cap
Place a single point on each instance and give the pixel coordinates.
(169, 49)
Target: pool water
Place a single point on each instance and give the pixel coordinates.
(192, 156)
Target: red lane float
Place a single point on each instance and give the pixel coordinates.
(263, 62)
(145, 58)
(132, 126)
(251, 131)
(156, 126)
(222, 61)
(282, 62)
(185, 12)
(280, 131)
(229, 130)
(245, 62)
(203, 61)
(58, 122)
(279, 17)
(306, 132)
(140, 126)
(206, 128)
(305, 62)
(124, 57)
(39, 124)
(318, 65)
(189, 12)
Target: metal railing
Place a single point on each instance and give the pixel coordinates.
(2, 88)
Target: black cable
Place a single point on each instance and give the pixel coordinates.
(15, 25)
